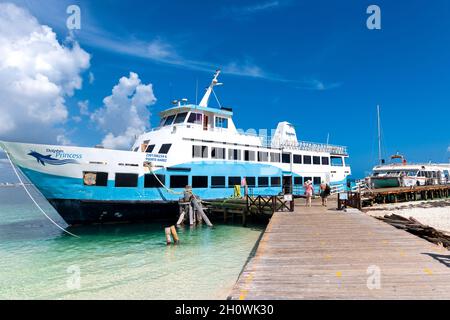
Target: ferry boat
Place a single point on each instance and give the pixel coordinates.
(404, 174)
(195, 145)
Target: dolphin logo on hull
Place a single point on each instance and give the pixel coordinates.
(40, 158)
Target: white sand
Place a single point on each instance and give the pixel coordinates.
(435, 213)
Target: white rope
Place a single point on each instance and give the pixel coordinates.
(162, 184)
(34, 201)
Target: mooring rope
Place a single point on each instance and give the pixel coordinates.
(162, 184)
(34, 201)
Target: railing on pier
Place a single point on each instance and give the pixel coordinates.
(271, 204)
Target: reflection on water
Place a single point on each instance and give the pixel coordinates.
(130, 261)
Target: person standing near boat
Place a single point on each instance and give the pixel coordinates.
(325, 191)
(309, 190)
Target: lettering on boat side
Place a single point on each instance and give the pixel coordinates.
(156, 157)
(56, 157)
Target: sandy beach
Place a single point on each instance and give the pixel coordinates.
(435, 213)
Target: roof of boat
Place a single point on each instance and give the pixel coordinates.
(194, 107)
(411, 166)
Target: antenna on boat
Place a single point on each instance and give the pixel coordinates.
(379, 135)
(214, 82)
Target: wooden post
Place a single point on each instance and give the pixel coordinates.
(191, 215)
(244, 217)
(168, 237)
(173, 231)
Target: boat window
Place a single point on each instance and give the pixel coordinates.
(316, 160)
(234, 181)
(275, 181)
(337, 161)
(275, 157)
(286, 158)
(412, 173)
(195, 118)
(249, 155)
(150, 181)
(234, 154)
(298, 180)
(150, 148)
(136, 149)
(221, 122)
(325, 161)
(126, 180)
(217, 153)
(307, 159)
(165, 148)
(218, 182)
(251, 181)
(179, 181)
(99, 179)
(180, 117)
(317, 180)
(162, 121)
(297, 158)
(169, 120)
(263, 156)
(263, 181)
(199, 181)
(199, 151)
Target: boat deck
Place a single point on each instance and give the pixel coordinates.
(319, 253)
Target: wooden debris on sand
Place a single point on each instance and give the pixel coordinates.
(413, 226)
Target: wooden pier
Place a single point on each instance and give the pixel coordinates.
(367, 197)
(320, 253)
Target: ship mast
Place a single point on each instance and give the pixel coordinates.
(379, 135)
(209, 90)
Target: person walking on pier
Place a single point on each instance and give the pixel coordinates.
(325, 191)
(309, 189)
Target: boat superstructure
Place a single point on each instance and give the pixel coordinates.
(194, 145)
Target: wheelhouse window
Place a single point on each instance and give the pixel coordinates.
(234, 154)
(325, 161)
(195, 118)
(126, 180)
(298, 181)
(263, 181)
(307, 159)
(150, 181)
(221, 122)
(217, 182)
(234, 181)
(275, 157)
(199, 181)
(263, 156)
(275, 181)
(99, 179)
(316, 160)
(179, 181)
(199, 151)
(337, 161)
(286, 158)
(249, 155)
(297, 158)
(165, 148)
(180, 118)
(217, 153)
(150, 148)
(169, 120)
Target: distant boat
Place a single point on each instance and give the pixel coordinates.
(404, 174)
(194, 145)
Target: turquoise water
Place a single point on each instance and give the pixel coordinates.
(38, 261)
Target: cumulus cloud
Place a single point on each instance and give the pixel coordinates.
(124, 114)
(37, 73)
(84, 107)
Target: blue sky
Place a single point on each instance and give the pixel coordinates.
(312, 63)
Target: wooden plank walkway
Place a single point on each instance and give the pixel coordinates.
(319, 253)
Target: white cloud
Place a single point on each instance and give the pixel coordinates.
(63, 140)
(84, 107)
(37, 73)
(124, 114)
